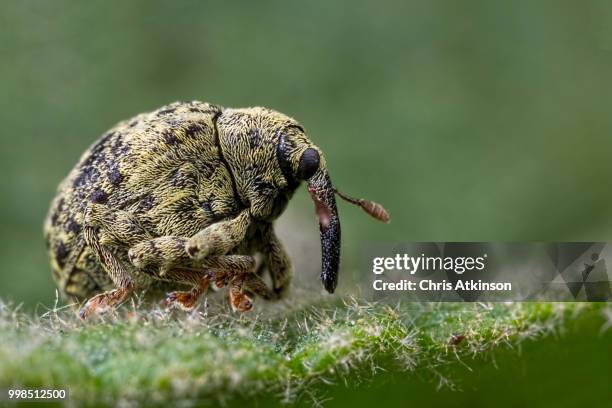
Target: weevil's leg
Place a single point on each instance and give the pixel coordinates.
(239, 300)
(243, 287)
(238, 272)
(219, 238)
(118, 274)
(254, 285)
(187, 300)
(277, 261)
(168, 251)
(227, 267)
(167, 256)
(235, 271)
(162, 253)
(104, 227)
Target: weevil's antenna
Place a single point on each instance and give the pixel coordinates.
(372, 208)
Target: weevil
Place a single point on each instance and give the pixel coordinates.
(187, 195)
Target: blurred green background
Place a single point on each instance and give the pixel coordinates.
(473, 121)
(476, 120)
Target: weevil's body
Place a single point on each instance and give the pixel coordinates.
(186, 194)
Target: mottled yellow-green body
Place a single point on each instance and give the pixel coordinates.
(167, 196)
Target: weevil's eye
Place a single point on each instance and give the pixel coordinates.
(309, 164)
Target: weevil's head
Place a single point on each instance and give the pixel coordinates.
(269, 156)
(300, 160)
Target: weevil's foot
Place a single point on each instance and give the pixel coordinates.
(188, 300)
(184, 300)
(104, 302)
(219, 280)
(240, 301)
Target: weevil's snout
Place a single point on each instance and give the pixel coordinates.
(322, 193)
(299, 160)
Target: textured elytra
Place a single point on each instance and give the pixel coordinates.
(186, 194)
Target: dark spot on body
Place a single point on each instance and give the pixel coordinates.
(61, 252)
(133, 123)
(166, 111)
(147, 202)
(175, 122)
(263, 186)
(95, 159)
(207, 207)
(99, 196)
(207, 169)
(170, 138)
(194, 129)
(152, 247)
(105, 138)
(254, 138)
(87, 175)
(179, 243)
(73, 226)
(118, 148)
(58, 210)
(177, 179)
(114, 176)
